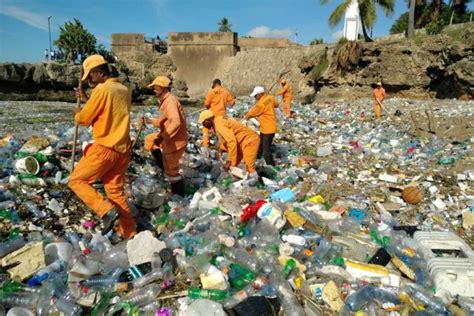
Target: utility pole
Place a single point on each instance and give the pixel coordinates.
(411, 18)
(49, 30)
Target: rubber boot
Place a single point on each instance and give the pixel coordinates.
(158, 157)
(178, 188)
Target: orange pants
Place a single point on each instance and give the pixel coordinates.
(171, 164)
(287, 107)
(248, 153)
(100, 162)
(378, 110)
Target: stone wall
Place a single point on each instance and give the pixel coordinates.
(246, 43)
(263, 66)
(198, 55)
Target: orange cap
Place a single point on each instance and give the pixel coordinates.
(91, 62)
(161, 81)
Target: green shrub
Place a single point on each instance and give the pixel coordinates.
(434, 27)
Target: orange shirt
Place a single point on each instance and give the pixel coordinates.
(285, 92)
(379, 95)
(232, 136)
(216, 100)
(108, 111)
(264, 111)
(173, 124)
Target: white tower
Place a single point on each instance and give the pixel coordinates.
(352, 21)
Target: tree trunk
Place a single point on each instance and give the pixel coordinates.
(411, 19)
(364, 30)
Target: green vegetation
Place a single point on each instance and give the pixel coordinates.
(317, 41)
(400, 25)
(320, 67)
(367, 12)
(78, 43)
(434, 16)
(224, 25)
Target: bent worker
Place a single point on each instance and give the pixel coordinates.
(239, 141)
(379, 96)
(264, 112)
(216, 101)
(108, 111)
(168, 146)
(286, 95)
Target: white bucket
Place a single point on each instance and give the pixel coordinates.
(27, 165)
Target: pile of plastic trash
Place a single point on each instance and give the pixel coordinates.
(325, 231)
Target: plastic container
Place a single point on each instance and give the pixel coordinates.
(27, 165)
(284, 195)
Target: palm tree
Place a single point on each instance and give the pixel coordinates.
(367, 12)
(224, 25)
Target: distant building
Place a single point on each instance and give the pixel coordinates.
(352, 21)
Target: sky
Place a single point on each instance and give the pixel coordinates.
(24, 23)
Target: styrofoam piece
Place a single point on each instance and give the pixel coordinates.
(455, 280)
(443, 241)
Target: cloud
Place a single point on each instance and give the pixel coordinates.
(265, 31)
(337, 35)
(34, 19)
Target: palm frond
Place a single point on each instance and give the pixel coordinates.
(338, 13)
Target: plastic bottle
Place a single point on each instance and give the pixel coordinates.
(289, 266)
(155, 274)
(143, 296)
(239, 296)
(11, 245)
(294, 239)
(28, 300)
(243, 257)
(44, 273)
(431, 304)
(215, 295)
(104, 282)
(67, 307)
(289, 302)
(365, 295)
(446, 160)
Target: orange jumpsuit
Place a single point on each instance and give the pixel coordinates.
(216, 101)
(264, 112)
(174, 132)
(286, 94)
(108, 111)
(379, 95)
(240, 142)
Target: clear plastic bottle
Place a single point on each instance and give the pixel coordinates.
(288, 300)
(33, 208)
(143, 296)
(104, 282)
(365, 295)
(243, 257)
(28, 300)
(431, 304)
(154, 275)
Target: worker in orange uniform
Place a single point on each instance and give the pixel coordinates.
(286, 95)
(169, 144)
(264, 112)
(216, 100)
(379, 96)
(239, 141)
(107, 110)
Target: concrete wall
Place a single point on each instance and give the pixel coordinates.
(198, 55)
(129, 43)
(246, 43)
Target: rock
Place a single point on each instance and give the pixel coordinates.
(142, 247)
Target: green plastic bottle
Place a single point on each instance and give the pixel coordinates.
(289, 266)
(246, 274)
(215, 295)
